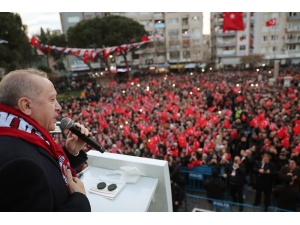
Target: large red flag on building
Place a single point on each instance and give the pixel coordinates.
(233, 21)
(271, 22)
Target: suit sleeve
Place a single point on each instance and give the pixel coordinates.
(75, 161)
(24, 188)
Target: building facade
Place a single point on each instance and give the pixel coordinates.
(279, 42)
(179, 44)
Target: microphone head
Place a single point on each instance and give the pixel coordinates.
(66, 123)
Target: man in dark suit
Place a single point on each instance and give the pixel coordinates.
(35, 172)
(287, 197)
(293, 171)
(235, 174)
(214, 186)
(265, 171)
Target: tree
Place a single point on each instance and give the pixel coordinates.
(119, 30)
(105, 32)
(17, 53)
(252, 59)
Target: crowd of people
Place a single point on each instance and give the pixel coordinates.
(245, 126)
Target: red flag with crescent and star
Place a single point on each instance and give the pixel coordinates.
(233, 21)
(271, 22)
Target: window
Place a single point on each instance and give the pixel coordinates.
(173, 34)
(196, 52)
(242, 47)
(274, 37)
(266, 16)
(186, 54)
(144, 13)
(291, 47)
(276, 27)
(263, 50)
(185, 21)
(275, 15)
(273, 49)
(186, 43)
(265, 38)
(175, 47)
(196, 31)
(73, 19)
(195, 19)
(174, 55)
(146, 23)
(196, 42)
(130, 14)
(294, 14)
(173, 21)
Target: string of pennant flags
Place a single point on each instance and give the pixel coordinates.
(90, 54)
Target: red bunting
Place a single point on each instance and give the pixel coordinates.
(34, 42)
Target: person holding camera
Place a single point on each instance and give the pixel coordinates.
(235, 174)
(265, 171)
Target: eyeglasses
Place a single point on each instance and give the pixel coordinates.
(110, 187)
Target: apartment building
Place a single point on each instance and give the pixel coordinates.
(180, 44)
(279, 42)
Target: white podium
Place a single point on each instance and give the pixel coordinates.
(149, 194)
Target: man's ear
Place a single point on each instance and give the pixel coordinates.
(25, 105)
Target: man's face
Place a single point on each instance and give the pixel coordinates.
(46, 108)
(292, 165)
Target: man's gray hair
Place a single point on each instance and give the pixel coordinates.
(18, 84)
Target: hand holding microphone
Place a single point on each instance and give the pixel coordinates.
(80, 136)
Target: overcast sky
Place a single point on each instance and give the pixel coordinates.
(36, 20)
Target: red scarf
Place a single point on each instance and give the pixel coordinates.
(16, 124)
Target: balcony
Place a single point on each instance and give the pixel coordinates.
(226, 43)
(136, 62)
(145, 16)
(160, 49)
(293, 18)
(160, 59)
(292, 29)
(293, 41)
(226, 53)
(186, 36)
(158, 16)
(242, 53)
(219, 21)
(230, 33)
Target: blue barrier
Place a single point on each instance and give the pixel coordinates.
(193, 201)
(194, 179)
(275, 209)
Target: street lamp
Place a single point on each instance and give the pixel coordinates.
(110, 56)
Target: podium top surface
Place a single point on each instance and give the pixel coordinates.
(132, 198)
(155, 171)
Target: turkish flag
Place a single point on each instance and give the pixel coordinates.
(145, 38)
(86, 56)
(34, 42)
(271, 22)
(233, 21)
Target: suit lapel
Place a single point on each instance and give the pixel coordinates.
(47, 155)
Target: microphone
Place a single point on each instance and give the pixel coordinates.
(69, 124)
